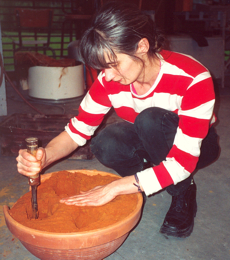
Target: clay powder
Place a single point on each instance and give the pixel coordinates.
(61, 218)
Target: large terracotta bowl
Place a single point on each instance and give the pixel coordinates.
(89, 245)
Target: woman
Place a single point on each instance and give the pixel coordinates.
(166, 100)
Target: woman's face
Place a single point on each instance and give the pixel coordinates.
(126, 70)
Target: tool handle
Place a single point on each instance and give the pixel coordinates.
(32, 147)
(34, 180)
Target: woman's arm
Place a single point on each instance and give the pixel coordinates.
(104, 194)
(59, 147)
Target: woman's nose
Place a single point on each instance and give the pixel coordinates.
(109, 74)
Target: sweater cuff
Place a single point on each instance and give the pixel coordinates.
(149, 181)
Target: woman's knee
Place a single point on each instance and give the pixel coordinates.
(155, 119)
(110, 145)
(103, 145)
(150, 114)
(148, 119)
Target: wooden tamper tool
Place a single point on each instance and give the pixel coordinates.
(34, 181)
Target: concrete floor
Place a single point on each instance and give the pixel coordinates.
(210, 239)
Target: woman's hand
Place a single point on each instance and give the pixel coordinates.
(29, 165)
(101, 195)
(98, 196)
(57, 148)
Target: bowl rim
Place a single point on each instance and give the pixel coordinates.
(126, 225)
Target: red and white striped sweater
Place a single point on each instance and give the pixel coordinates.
(183, 86)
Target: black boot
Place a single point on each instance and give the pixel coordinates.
(179, 220)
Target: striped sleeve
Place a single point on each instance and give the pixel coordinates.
(195, 115)
(92, 110)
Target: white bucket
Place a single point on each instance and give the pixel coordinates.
(56, 83)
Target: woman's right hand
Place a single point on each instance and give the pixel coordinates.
(29, 165)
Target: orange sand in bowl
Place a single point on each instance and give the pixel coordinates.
(61, 218)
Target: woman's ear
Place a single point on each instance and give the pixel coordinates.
(143, 46)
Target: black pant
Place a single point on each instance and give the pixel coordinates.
(124, 146)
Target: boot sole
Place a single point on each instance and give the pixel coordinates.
(182, 233)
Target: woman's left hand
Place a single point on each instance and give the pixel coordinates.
(101, 195)
(98, 196)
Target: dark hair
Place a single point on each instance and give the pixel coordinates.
(117, 27)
